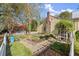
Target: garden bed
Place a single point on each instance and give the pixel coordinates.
(61, 48)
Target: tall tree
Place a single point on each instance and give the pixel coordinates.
(11, 10)
(35, 10)
(65, 15)
(34, 25)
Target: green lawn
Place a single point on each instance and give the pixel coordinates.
(34, 37)
(26, 36)
(18, 49)
(1, 35)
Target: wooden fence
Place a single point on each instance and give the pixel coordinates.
(3, 47)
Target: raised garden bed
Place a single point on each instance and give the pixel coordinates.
(61, 48)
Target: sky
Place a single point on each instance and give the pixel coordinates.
(57, 8)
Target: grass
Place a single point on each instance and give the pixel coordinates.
(21, 36)
(76, 43)
(76, 47)
(77, 35)
(61, 48)
(18, 49)
(33, 37)
(47, 36)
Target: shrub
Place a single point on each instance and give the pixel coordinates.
(51, 35)
(18, 49)
(76, 47)
(44, 37)
(47, 36)
(60, 47)
(77, 35)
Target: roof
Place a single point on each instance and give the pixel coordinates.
(75, 15)
(52, 14)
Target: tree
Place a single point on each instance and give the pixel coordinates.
(35, 10)
(34, 14)
(34, 25)
(2, 26)
(9, 11)
(12, 11)
(77, 35)
(65, 15)
(64, 27)
(7, 17)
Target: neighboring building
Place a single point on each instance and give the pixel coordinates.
(75, 17)
(40, 28)
(49, 24)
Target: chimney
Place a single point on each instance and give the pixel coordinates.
(48, 13)
(48, 16)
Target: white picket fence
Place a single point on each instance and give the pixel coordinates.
(3, 47)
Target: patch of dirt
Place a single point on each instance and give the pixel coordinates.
(49, 52)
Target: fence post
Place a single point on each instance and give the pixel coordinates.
(3, 47)
(5, 37)
(71, 44)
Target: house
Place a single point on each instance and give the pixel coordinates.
(48, 25)
(75, 18)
